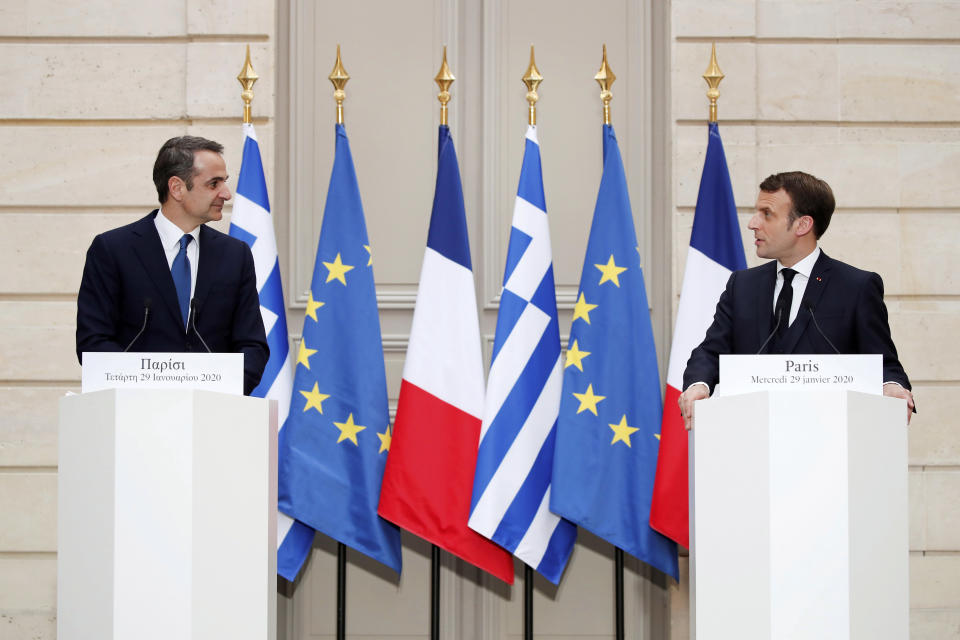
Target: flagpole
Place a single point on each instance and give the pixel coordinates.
(713, 76)
(532, 79)
(618, 590)
(444, 79)
(339, 78)
(247, 78)
(434, 592)
(341, 591)
(605, 78)
(527, 602)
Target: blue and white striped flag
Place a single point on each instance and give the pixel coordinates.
(251, 222)
(511, 490)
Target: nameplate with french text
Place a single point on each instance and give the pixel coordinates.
(221, 372)
(744, 374)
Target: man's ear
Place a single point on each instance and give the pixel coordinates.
(176, 188)
(804, 225)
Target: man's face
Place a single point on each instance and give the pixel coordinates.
(774, 233)
(204, 202)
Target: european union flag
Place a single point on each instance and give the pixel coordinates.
(334, 446)
(609, 425)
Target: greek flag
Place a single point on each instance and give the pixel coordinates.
(511, 490)
(251, 222)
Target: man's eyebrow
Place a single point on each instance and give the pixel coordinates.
(218, 179)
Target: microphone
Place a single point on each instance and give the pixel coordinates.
(772, 333)
(809, 307)
(193, 323)
(146, 314)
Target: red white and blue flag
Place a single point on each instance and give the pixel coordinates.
(716, 250)
(428, 478)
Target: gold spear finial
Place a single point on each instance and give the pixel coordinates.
(339, 78)
(713, 76)
(444, 79)
(532, 79)
(246, 78)
(605, 78)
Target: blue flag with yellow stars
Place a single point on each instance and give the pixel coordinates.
(335, 443)
(610, 409)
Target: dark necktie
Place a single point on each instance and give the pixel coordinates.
(784, 302)
(180, 270)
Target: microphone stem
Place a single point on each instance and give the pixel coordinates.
(817, 325)
(193, 324)
(146, 315)
(772, 333)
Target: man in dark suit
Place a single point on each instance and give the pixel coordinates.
(793, 210)
(170, 275)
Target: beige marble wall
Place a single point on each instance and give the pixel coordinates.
(865, 95)
(88, 93)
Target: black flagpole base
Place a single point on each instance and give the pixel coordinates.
(341, 591)
(434, 592)
(618, 581)
(527, 602)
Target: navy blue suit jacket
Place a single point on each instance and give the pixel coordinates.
(127, 266)
(847, 302)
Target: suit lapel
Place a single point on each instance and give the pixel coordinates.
(211, 251)
(764, 313)
(819, 277)
(149, 251)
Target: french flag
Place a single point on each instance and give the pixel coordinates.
(716, 250)
(428, 480)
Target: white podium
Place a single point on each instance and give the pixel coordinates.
(799, 517)
(167, 516)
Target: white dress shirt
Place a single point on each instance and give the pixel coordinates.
(170, 235)
(803, 269)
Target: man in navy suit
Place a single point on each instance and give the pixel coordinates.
(787, 298)
(169, 275)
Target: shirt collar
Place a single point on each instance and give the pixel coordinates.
(170, 233)
(805, 266)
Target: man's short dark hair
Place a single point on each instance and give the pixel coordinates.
(176, 159)
(810, 196)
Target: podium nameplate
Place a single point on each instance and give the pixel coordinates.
(806, 372)
(221, 372)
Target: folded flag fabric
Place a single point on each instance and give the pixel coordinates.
(716, 250)
(252, 222)
(610, 411)
(335, 444)
(511, 489)
(429, 474)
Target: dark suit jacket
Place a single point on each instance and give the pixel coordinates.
(127, 266)
(847, 302)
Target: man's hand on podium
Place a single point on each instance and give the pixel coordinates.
(696, 391)
(894, 390)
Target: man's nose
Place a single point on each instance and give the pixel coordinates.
(225, 193)
(752, 224)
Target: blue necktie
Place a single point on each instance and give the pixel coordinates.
(180, 270)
